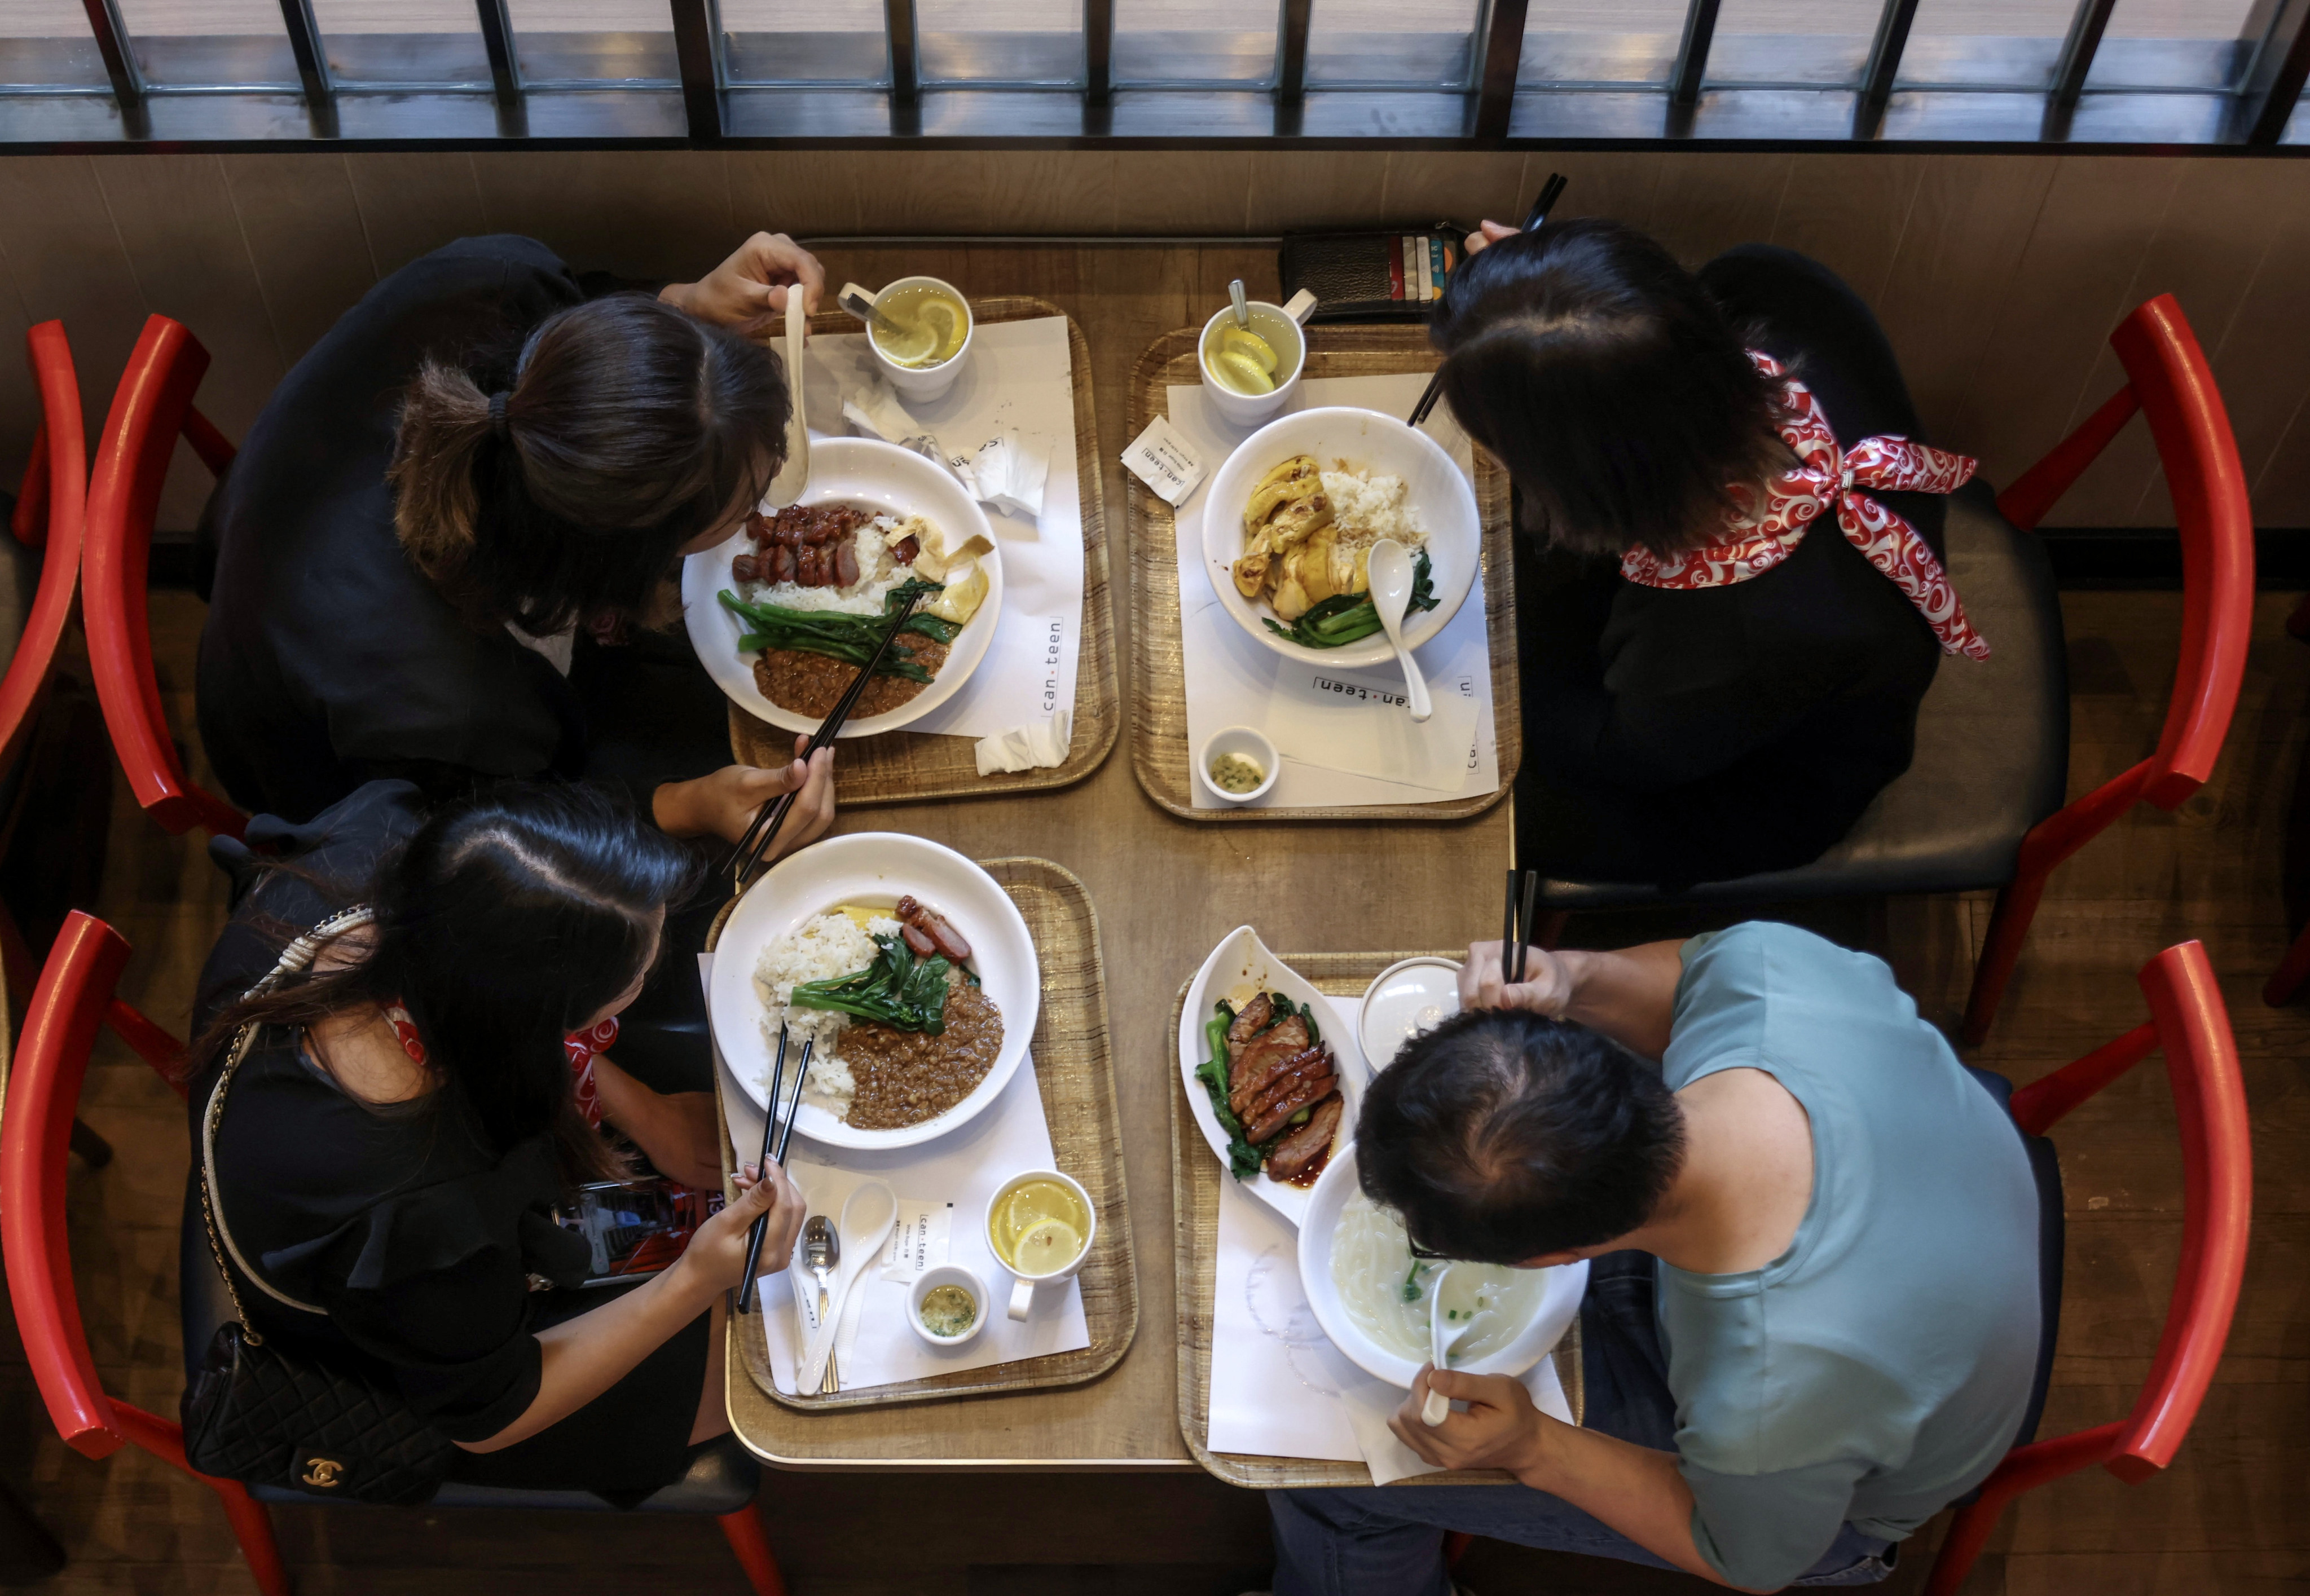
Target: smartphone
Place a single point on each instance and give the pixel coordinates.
(635, 1228)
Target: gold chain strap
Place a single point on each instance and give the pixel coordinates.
(298, 956)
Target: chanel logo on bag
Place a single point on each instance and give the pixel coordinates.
(323, 1473)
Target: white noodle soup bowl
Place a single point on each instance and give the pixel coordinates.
(1559, 1301)
(1435, 487)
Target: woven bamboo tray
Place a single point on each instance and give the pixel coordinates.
(1195, 1177)
(1074, 1072)
(905, 766)
(1158, 690)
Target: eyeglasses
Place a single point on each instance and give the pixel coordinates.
(1429, 1254)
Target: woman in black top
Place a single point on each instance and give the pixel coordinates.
(1718, 676)
(390, 1145)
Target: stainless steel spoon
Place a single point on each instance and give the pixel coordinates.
(822, 1250)
(1242, 307)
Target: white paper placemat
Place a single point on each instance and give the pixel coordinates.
(1019, 376)
(1345, 737)
(1278, 1388)
(876, 1346)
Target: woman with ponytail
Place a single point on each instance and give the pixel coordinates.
(387, 1082)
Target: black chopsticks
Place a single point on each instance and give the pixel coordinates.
(748, 855)
(1549, 192)
(763, 1160)
(1516, 936)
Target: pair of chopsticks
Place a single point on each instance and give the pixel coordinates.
(1524, 906)
(763, 1159)
(1549, 192)
(748, 855)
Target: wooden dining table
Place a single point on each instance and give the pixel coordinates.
(1165, 890)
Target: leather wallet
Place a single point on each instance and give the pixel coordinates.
(1372, 276)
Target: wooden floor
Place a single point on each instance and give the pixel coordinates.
(2228, 1517)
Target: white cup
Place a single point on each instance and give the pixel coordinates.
(1247, 409)
(1023, 1286)
(1249, 742)
(929, 1280)
(922, 382)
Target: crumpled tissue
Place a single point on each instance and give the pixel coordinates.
(1008, 471)
(1039, 745)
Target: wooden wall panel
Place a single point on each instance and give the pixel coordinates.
(1998, 277)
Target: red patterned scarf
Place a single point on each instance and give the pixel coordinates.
(1824, 475)
(581, 1046)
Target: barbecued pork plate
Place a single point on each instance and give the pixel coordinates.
(1292, 1095)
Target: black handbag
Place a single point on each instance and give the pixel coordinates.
(261, 1416)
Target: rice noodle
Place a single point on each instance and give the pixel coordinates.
(1372, 1263)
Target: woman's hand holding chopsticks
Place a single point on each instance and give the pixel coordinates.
(720, 1246)
(724, 803)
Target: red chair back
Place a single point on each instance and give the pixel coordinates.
(50, 512)
(2189, 1022)
(151, 408)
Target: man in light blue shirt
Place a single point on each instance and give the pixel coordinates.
(1814, 1318)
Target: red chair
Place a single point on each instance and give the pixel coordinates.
(2189, 1023)
(74, 997)
(2169, 381)
(150, 409)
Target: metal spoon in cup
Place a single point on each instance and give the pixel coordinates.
(1242, 305)
(1389, 567)
(1438, 1407)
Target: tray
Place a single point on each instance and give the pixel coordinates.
(1159, 689)
(1075, 1073)
(1195, 1177)
(904, 766)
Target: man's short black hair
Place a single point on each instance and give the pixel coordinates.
(1501, 1136)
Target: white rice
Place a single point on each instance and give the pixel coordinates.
(1367, 507)
(879, 571)
(825, 947)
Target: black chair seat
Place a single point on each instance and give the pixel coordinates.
(1993, 749)
(723, 1477)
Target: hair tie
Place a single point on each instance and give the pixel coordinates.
(498, 416)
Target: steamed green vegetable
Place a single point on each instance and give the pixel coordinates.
(1243, 1158)
(841, 635)
(1347, 618)
(903, 991)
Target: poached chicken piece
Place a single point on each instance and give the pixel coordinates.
(1275, 1072)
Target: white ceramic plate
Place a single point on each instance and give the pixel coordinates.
(1560, 1300)
(873, 867)
(1240, 957)
(853, 471)
(1410, 997)
(1365, 441)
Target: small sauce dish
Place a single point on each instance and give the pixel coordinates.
(936, 1305)
(1234, 754)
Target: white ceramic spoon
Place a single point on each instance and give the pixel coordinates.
(1390, 568)
(867, 1215)
(794, 477)
(1438, 1408)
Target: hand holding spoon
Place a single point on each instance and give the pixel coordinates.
(1438, 1407)
(1390, 567)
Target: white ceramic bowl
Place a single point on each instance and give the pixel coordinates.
(1248, 410)
(926, 382)
(1241, 957)
(947, 1274)
(1410, 997)
(853, 471)
(1559, 1301)
(873, 867)
(1251, 744)
(1367, 441)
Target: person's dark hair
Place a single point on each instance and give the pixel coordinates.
(1501, 1136)
(509, 919)
(1618, 394)
(631, 427)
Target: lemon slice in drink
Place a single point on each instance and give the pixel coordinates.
(1237, 341)
(944, 324)
(1045, 1245)
(1242, 373)
(907, 345)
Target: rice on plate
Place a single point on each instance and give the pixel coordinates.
(823, 948)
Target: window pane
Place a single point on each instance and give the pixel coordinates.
(403, 42)
(48, 42)
(1823, 42)
(1193, 41)
(210, 41)
(1990, 44)
(559, 42)
(805, 41)
(2172, 44)
(1409, 43)
(1600, 42)
(1000, 41)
